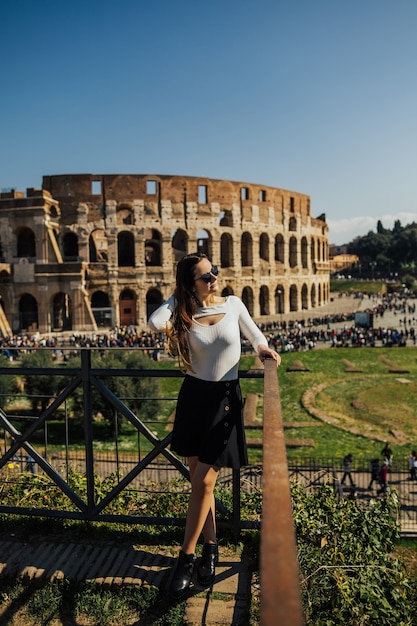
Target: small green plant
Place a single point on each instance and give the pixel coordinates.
(348, 572)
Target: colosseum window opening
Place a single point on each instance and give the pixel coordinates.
(102, 312)
(124, 216)
(97, 245)
(292, 204)
(247, 299)
(264, 247)
(5, 277)
(244, 193)
(70, 247)
(61, 312)
(204, 242)
(179, 244)
(279, 299)
(246, 252)
(279, 249)
(202, 194)
(304, 297)
(313, 296)
(226, 250)
(153, 300)
(153, 247)
(96, 187)
(26, 245)
(226, 218)
(264, 300)
(127, 308)
(293, 298)
(292, 226)
(293, 252)
(125, 249)
(151, 187)
(262, 195)
(304, 253)
(28, 313)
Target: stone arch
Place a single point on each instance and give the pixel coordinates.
(293, 298)
(125, 249)
(153, 247)
(313, 296)
(61, 312)
(127, 307)
(304, 253)
(304, 297)
(204, 243)
(26, 243)
(179, 244)
(227, 291)
(70, 247)
(102, 311)
(124, 215)
(293, 252)
(292, 225)
(246, 249)
(264, 300)
(279, 299)
(226, 218)
(279, 249)
(313, 250)
(28, 312)
(5, 276)
(264, 247)
(97, 245)
(154, 299)
(247, 299)
(226, 250)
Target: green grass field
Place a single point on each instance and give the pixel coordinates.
(357, 399)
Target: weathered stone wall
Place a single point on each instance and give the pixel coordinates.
(104, 248)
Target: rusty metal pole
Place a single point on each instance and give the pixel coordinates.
(280, 583)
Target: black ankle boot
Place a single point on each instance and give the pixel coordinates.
(182, 575)
(206, 570)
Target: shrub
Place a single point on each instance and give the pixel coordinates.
(348, 573)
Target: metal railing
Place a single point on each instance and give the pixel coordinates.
(280, 592)
(20, 444)
(280, 587)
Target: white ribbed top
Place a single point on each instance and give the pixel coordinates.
(215, 349)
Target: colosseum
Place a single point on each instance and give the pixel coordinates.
(89, 251)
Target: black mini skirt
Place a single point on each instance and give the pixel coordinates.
(209, 423)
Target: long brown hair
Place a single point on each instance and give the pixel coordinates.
(186, 305)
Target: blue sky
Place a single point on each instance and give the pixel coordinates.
(315, 96)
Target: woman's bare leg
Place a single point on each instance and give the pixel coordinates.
(201, 509)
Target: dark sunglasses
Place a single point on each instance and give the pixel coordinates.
(207, 276)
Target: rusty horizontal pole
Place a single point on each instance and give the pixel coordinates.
(280, 581)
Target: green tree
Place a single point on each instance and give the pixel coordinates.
(7, 383)
(138, 393)
(40, 388)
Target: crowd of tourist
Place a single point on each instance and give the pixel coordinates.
(330, 330)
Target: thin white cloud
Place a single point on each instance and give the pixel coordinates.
(344, 230)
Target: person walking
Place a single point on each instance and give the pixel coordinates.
(347, 470)
(374, 469)
(204, 331)
(412, 464)
(383, 478)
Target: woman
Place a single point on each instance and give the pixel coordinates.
(204, 329)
